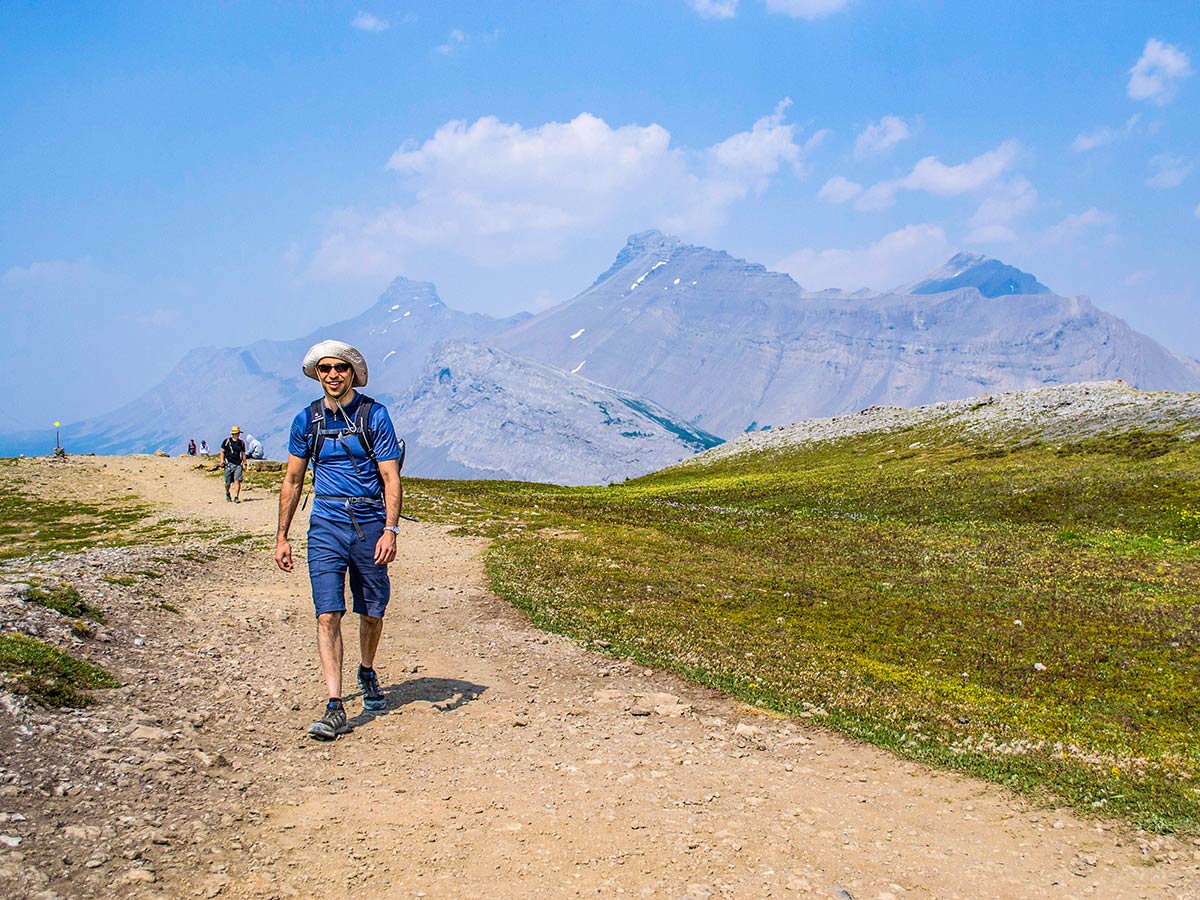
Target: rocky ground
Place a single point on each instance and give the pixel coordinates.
(1051, 413)
(509, 764)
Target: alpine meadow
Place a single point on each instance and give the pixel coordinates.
(1021, 608)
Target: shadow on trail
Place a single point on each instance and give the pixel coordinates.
(444, 694)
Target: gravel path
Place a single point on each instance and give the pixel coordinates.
(517, 764)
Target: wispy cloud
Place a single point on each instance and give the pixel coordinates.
(895, 258)
(880, 137)
(365, 21)
(806, 9)
(796, 9)
(839, 189)
(715, 9)
(454, 42)
(1157, 75)
(932, 176)
(54, 273)
(1090, 140)
(1168, 171)
(1078, 225)
(1004, 202)
(498, 192)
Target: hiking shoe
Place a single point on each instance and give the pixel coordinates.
(227, 497)
(368, 682)
(331, 724)
(237, 499)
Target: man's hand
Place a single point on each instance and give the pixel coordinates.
(385, 548)
(283, 553)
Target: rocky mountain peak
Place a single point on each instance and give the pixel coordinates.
(990, 277)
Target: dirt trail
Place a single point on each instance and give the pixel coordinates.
(516, 764)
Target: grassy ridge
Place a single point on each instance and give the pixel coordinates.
(1029, 614)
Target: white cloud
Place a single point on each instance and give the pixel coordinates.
(806, 9)
(54, 273)
(935, 177)
(1101, 136)
(1077, 225)
(1168, 171)
(769, 142)
(454, 42)
(1003, 203)
(1156, 76)
(365, 21)
(715, 9)
(498, 192)
(839, 190)
(880, 137)
(896, 258)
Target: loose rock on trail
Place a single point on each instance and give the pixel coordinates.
(511, 763)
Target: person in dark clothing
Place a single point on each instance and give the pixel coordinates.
(233, 461)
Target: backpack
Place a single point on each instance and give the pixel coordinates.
(318, 433)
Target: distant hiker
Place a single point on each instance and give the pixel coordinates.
(203, 448)
(192, 447)
(254, 448)
(356, 460)
(233, 459)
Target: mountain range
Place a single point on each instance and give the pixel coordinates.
(731, 346)
(671, 349)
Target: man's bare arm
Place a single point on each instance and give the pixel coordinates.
(393, 499)
(289, 499)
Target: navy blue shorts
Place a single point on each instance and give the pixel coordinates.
(334, 549)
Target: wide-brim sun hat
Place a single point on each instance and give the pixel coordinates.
(337, 350)
(235, 430)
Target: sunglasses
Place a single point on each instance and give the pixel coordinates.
(341, 368)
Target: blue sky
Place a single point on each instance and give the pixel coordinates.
(187, 174)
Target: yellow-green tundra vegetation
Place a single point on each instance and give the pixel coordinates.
(1025, 612)
(34, 524)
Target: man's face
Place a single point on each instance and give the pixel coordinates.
(336, 376)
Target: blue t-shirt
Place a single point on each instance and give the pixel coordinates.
(344, 469)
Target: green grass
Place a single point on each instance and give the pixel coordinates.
(64, 599)
(1027, 614)
(48, 675)
(35, 525)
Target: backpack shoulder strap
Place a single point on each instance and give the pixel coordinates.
(362, 420)
(316, 430)
(362, 424)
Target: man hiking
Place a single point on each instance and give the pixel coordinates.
(233, 460)
(356, 504)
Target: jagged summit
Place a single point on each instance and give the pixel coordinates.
(650, 251)
(990, 277)
(639, 245)
(406, 291)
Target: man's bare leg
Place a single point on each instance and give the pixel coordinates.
(370, 630)
(329, 645)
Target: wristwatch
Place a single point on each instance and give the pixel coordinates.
(394, 529)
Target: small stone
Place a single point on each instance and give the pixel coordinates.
(9, 840)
